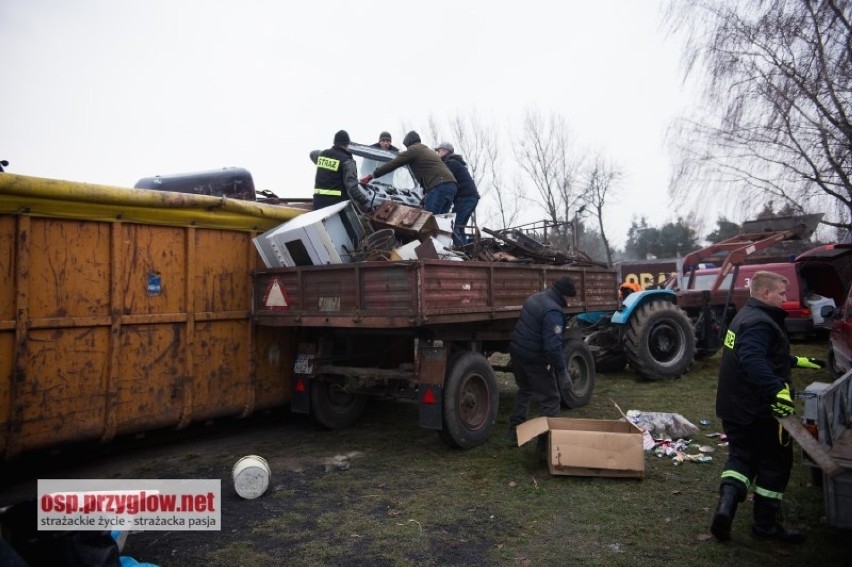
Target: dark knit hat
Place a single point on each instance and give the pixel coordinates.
(385, 136)
(341, 138)
(411, 138)
(565, 286)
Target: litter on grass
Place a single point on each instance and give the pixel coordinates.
(679, 451)
(659, 424)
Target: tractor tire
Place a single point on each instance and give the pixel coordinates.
(470, 403)
(333, 408)
(581, 369)
(659, 341)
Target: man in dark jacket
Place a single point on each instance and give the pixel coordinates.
(467, 196)
(755, 388)
(439, 185)
(538, 360)
(385, 143)
(337, 175)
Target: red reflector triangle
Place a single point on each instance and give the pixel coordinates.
(428, 396)
(300, 386)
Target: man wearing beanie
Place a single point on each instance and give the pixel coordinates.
(439, 185)
(337, 175)
(385, 143)
(467, 197)
(538, 360)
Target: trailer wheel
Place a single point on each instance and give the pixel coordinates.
(581, 369)
(470, 401)
(332, 407)
(659, 341)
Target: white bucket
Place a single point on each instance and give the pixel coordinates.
(251, 476)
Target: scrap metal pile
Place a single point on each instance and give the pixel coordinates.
(395, 231)
(401, 226)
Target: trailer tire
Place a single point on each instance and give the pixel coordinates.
(333, 408)
(470, 401)
(659, 341)
(581, 369)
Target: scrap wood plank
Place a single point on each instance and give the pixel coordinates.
(807, 442)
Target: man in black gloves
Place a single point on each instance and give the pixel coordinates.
(754, 389)
(538, 360)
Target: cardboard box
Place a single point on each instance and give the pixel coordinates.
(589, 447)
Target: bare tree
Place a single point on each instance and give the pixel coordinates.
(601, 181)
(479, 145)
(547, 155)
(780, 74)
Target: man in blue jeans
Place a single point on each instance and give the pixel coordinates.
(438, 182)
(467, 197)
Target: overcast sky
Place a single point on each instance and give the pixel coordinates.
(109, 91)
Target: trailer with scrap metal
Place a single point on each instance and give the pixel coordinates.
(419, 329)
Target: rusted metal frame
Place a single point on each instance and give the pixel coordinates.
(364, 372)
(116, 308)
(359, 274)
(250, 365)
(187, 381)
(14, 429)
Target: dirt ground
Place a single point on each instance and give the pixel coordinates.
(209, 452)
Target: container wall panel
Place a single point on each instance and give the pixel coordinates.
(151, 376)
(222, 383)
(153, 256)
(221, 270)
(64, 393)
(68, 269)
(7, 271)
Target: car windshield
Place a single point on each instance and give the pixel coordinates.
(705, 281)
(368, 158)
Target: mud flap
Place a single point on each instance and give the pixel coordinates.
(300, 401)
(430, 406)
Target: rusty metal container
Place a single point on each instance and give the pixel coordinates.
(124, 310)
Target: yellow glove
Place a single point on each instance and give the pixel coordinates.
(805, 362)
(783, 405)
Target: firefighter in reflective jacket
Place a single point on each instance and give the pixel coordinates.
(755, 388)
(337, 174)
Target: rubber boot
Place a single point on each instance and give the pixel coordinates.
(767, 522)
(729, 497)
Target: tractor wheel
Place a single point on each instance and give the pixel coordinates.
(581, 369)
(332, 407)
(659, 341)
(470, 401)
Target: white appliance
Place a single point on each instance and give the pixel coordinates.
(325, 236)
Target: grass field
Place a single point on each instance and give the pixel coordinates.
(406, 499)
